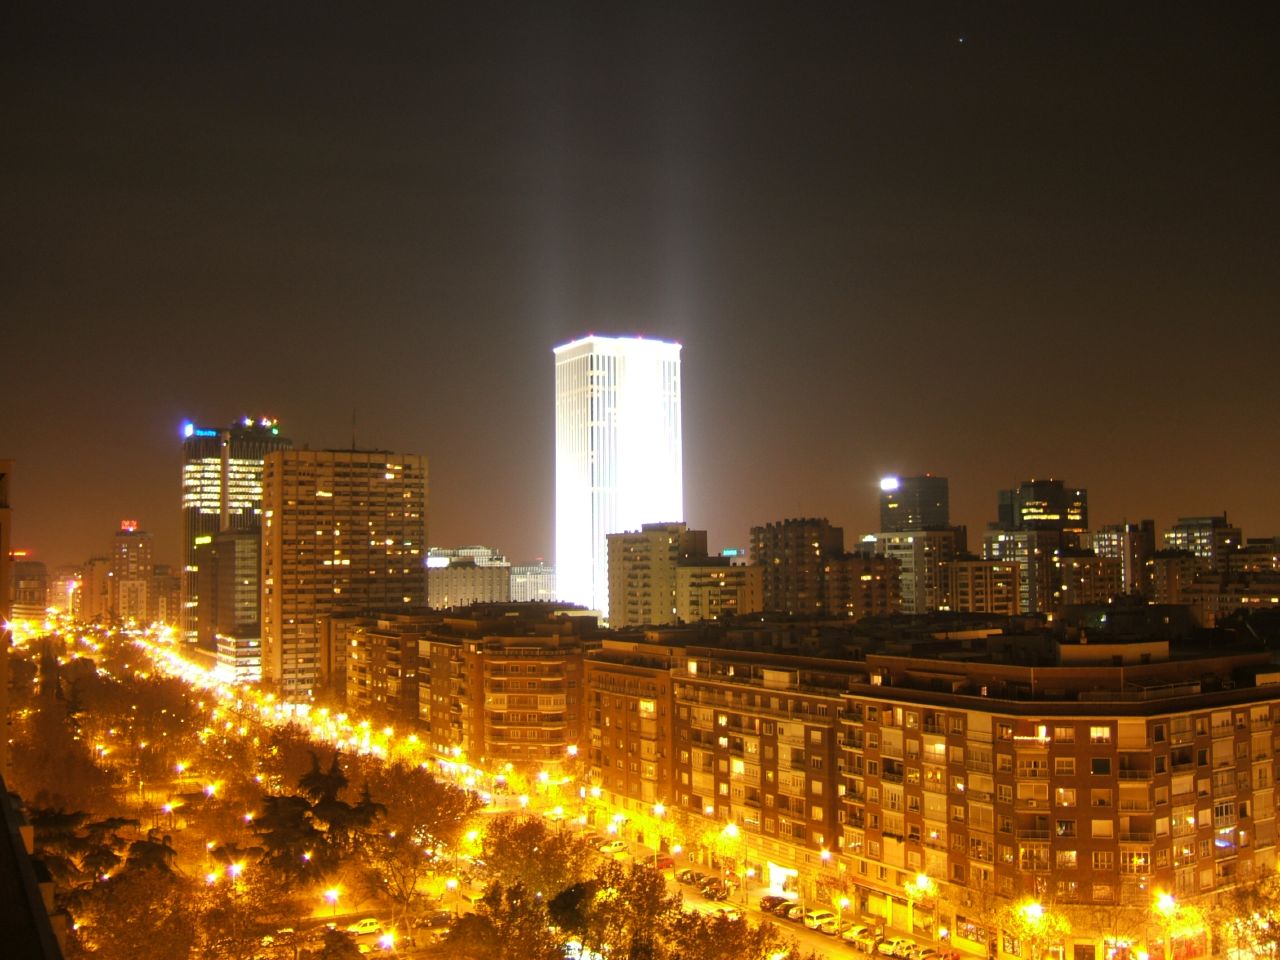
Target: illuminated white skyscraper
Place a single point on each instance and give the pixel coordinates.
(619, 460)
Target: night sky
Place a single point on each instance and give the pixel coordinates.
(992, 241)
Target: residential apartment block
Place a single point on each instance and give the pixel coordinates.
(341, 530)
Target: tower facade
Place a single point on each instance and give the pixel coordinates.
(221, 490)
(341, 530)
(619, 453)
(914, 503)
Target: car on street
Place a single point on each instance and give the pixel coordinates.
(771, 902)
(664, 861)
(365, 926)
(893, 947)
(613, 846)
(816, 918)
(731, 912)
(855, 932)
(792, 912)
(715, 889)
(690, 875)
(830, 927)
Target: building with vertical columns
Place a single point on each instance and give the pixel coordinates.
(342, 529)
(619, 454)
(221, 490)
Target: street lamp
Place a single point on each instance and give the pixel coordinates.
(920, 891)
(1166, 906)
(332, 896)
(658, 810)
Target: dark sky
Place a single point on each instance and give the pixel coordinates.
(991, 241)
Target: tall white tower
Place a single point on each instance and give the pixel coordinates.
(619, 460)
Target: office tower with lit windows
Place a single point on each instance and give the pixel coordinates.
(341, 530)
(619, 459)
(914, 503)
(1212, 540)
(1044, 505)
(221, 490)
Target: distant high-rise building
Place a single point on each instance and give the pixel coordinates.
(1044, 505)
(221, 490)
(984, 586)
(132, 567)
(642, 572)
(1172, 573)
(922, 557)
(93, 599)
(1034, 551)
(914, 503)
(342, 529)
(29, 596)
(1132, 544)
(794, 555)
(863, 585)
(533, 582)
(461, 576)
(64, 585)
(713, 589)
(619, 457)
(1212, 540)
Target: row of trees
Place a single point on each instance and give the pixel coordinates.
(549, 887)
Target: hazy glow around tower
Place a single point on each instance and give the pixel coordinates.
(619, 460)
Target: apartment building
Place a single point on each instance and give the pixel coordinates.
(498, 689)
(1089, 784)
(341, 530)
(631, 723)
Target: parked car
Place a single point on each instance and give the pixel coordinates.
(771, 903)
(664, 861)
(792, 912)
(715, 889)
(816, 918)
(732, 912)
(892, 947)
(613, 846)
(855, 932)
(438, 919)
(906, 950)
(690, 875)
(367, 925)
(830, 927)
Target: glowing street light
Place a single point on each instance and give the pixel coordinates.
(332, 895)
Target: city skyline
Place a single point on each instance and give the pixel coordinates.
(988, 244)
